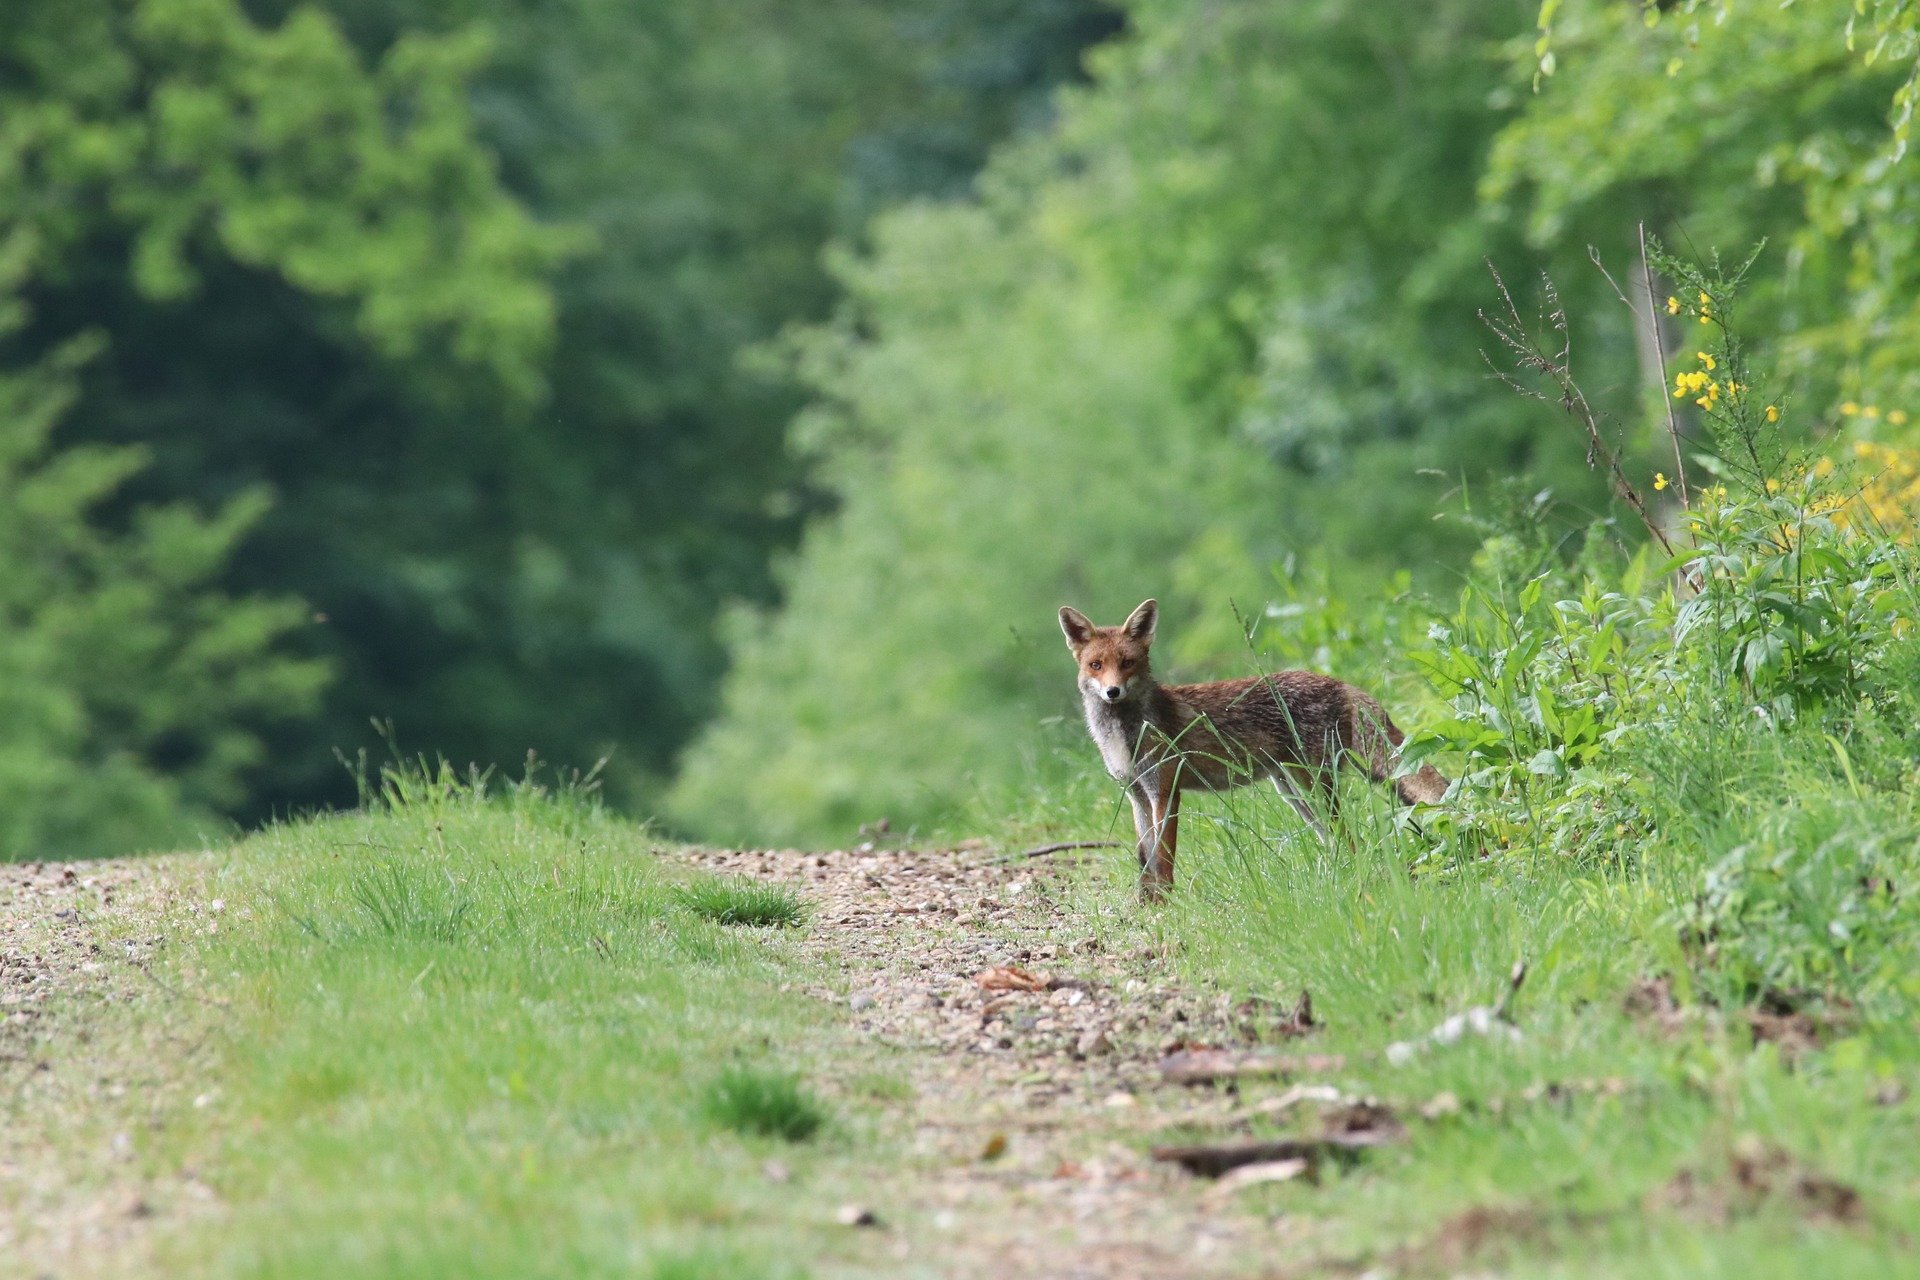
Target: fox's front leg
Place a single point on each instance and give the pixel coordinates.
(1157, 817)
(1144, 837)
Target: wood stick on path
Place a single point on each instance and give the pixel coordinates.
(1062, 847)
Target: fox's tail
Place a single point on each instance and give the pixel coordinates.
(1375, 739)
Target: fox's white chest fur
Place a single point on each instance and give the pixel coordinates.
(1116, 731)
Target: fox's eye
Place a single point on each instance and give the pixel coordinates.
(1126, 664)
(1094, 665)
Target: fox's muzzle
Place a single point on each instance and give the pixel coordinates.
(1112, 693)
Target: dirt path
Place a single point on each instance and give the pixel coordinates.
(1030, 1108)
(1029, 1115)
(75, 940)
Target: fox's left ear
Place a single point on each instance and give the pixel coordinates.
(1141, 621)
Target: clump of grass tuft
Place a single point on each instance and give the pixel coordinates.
(732, 901)
(767, 1103)
(403, 902)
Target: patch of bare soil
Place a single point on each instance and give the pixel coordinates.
(74, 944)
(1047, 1065)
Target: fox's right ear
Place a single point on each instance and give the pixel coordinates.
(1076, 626)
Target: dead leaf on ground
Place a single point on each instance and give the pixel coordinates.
(1010, 978)
(995, 1148)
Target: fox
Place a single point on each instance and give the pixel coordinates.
(1295, 728)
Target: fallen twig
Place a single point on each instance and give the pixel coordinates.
(1062, 847)
(1213, 1159)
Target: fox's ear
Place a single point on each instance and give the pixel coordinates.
(1074, 623)
(1141, 621)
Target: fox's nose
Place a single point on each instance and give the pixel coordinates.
(1111, 693)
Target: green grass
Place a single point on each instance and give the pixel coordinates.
(730, 900)
(771, 1104)
(477, 1037)
(1390, 941)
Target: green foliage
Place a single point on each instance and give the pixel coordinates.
(1289, 261)
(731, 900)
(768, 1104)
(467, 286)
(177, 126)
(1729, 126)
(1078, 391)
(980, 491)
(132, 689)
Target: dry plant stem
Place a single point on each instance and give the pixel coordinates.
(1557, 368)
(1660, 350)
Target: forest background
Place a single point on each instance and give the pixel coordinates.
(731, 394)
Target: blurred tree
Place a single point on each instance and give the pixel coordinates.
(1251, 255)
(132, 689)
(1253, 241)
(300, 269)
(517, 461)
(1725, 128)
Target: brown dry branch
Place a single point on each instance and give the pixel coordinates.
(1557, 369)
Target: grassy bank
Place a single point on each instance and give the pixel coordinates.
(467, 1036)
(1686, 799)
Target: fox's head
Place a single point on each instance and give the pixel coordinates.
(1113, 660)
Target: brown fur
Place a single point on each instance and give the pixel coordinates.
(1293, 727)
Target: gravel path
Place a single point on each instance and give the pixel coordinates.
(74, 944)
(1031, 1108)
(1030, 1112)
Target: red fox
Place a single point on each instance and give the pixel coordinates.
(1294, 727)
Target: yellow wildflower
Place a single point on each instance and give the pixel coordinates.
(1898, 417)
(1659, 480)
(1823, 468)
(1773, 486)
(1773, 413)
(1871, 411)
(1704, 299)
(1849, 408)
(1673, 306)
(1704, 317)
(1705, 359)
